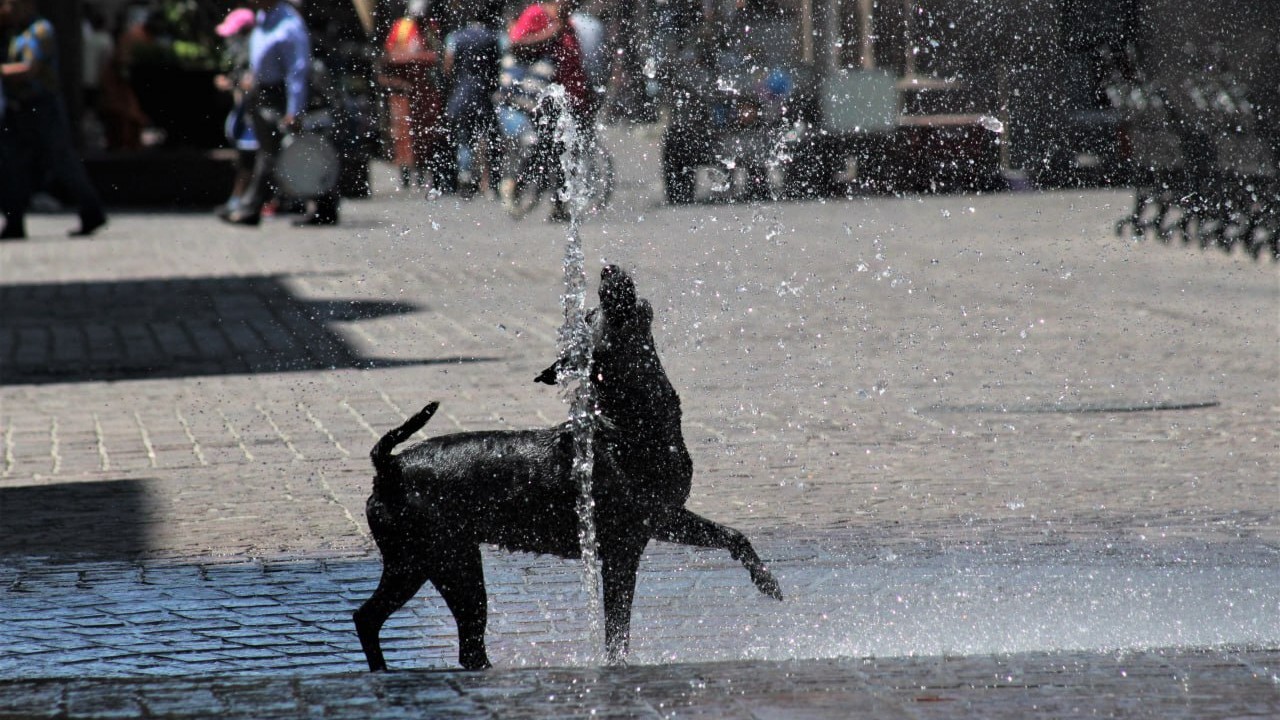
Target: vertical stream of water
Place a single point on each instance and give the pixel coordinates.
(574, 341)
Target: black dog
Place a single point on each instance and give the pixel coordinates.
(436, 502)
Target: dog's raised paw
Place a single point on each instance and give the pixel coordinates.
(766, 583)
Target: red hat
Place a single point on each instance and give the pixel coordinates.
(532, 21)
(236, 20)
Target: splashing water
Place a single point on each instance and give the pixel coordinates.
(991, 123)
(574, 340)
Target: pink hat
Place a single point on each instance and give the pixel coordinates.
(532, 21)
(237, 20)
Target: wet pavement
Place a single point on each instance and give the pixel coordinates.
(846, 597)
(1177, 683)
(1003, 463)
(869, 629)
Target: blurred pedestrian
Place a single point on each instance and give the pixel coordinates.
(37, 130)
(325, 104)
(235, 79)
(279, 73)
(95, 53)
(544, 29)
(542, 50)
(471, 58)
(122, 116)
(411, 73)
(6, 169)
(595, 58)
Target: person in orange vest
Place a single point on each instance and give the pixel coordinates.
(411, 74)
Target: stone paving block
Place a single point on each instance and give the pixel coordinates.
(321, 693)
(246, 598)
(189, 701)
(92, 702)
(192, 658)
(30, 699)
(274, 698)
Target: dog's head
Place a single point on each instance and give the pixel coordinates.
(618, 299)
(632, 389)
(623, 346)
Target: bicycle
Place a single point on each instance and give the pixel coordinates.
(533, 166)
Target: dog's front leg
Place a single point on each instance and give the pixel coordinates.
(619, 563)
(687, 528)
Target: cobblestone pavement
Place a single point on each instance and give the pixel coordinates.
(847, 597)
(1045, 440)
(1143, 684)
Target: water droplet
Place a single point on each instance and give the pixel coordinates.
(719, 181)
(991, 123)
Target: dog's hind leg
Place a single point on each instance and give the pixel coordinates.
(619, 562)
(399, 583)
(460, 579)
(682, 526)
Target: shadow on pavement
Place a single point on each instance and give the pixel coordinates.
(107, 520)
(164, 328)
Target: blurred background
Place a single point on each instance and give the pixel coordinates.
(836, 95)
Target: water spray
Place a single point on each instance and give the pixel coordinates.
(574, 341)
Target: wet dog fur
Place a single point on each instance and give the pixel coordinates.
(436, 502)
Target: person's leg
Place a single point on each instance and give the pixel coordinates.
(401, 138)
(492, 148)
(17, 153)
(512, 124)
(321, 211)
(264, 115)
(15, 192)
(245, 160)
(64, 162)
(554, 169)
(7, 190)
(434, 153)
(464, 141)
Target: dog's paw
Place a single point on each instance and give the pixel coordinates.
(471, 656)
(766, 583)
(548, 376)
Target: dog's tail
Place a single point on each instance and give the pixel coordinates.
(383, 466)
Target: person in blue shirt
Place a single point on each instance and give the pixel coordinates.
(36, 132)
(277, 85)
(472, 55)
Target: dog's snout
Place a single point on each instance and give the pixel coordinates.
(617, 291)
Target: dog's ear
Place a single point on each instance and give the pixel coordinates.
(548, 376)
